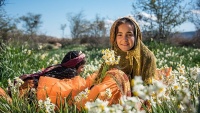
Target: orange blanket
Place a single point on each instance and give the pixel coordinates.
(115, 80)
(4, 95)
(57, 90)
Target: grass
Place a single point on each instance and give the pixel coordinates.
(21, 59)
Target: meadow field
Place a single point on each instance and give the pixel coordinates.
(178, 92)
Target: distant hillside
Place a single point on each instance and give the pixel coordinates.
(188, 34)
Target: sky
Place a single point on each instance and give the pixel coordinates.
(54, 12)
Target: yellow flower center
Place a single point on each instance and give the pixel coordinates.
(176, 87)
(135, 93)
(132, 82)
(161, 90)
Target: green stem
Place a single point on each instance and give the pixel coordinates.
(104, 70)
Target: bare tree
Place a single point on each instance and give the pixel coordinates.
(98, 27)
(195, 17)
(6, 25)
(79, 26)
(2, 2)
(161, 16)
(62, 27)
(31, 22)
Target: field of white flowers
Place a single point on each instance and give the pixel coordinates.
(173, 92)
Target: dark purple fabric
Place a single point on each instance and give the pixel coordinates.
(25, 76)
(73, 62)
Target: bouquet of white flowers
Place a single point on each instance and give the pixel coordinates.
(109, 59)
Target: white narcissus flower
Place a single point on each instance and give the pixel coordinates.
(10, 83)
(181, 107)
(181, 69)
(55, 62)
(82, 95)
(51, 59)
(88, 105)
(187, 96)
(33, 90)
(47, 105)
(176, 86)
(40, 103)
(43, 56)
(138, 80)
(109, 57)
(40, 47)
(198, 74)
(98, 106)
(29, 52)
(160, 88)
(130, 104)
(116, 108)
(108, 93)
(19, 81)
(138, 88)
(47, 102)
(77, 98)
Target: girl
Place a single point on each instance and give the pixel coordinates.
(136, 58)
(64, 81)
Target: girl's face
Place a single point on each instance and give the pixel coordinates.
(125, 37)
(80, 69)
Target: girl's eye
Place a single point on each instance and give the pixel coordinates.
(119, 34)
(129, 34)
